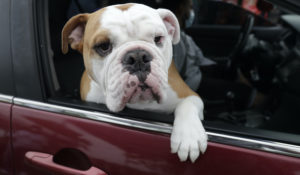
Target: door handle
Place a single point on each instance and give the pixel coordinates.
(45, 161)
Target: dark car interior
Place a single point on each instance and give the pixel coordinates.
(265, 50)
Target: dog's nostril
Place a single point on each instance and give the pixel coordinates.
(131, 60)
(128, 60)
(146, 58)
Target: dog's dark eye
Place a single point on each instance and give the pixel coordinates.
(158, 40)
(104, 48)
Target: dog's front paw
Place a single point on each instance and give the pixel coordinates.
(188, 141)
(188, 138)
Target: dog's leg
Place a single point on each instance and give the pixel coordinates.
(188, 138)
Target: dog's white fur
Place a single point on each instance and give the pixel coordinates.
(134, 28)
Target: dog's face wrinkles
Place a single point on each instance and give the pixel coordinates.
(129, 55)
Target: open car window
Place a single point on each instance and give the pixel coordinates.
(268, 64)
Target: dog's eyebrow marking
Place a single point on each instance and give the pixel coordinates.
(101, 36)
(124, 7)
(92, 29)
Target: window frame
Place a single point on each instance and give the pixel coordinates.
(6, 66)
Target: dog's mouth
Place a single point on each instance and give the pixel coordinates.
(126, 88)
(135, 91)
(143, 93)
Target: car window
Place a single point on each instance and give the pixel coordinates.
(248, 73)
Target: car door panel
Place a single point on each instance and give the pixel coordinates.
(124, 150)
(5, 142)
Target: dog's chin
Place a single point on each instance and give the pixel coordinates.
(131, 91)
(143, 93)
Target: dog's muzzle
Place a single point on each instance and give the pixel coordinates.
(137, 62)
(136, 75)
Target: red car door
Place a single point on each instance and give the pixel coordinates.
(54, 139)
(5, 142)
(123, 146)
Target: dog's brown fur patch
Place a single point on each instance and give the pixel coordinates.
(93, 31)
(100, 37)
(177, 83)
(85, 85)
(124, 7)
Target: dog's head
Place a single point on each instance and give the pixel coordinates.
(127, 50)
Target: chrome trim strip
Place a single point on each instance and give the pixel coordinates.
(256, 144)
(6, 98)
(98, 116)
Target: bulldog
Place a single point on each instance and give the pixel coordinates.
(127, 52)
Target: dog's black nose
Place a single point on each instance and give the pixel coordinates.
(137, 62)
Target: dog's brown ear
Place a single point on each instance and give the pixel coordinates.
(73, 33)
(171, 24)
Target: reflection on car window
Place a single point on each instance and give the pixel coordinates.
(230, 13)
